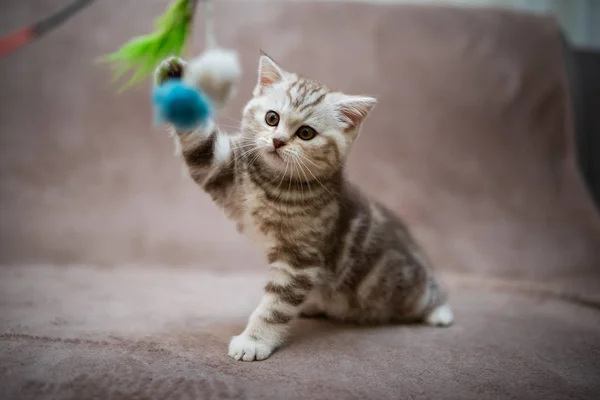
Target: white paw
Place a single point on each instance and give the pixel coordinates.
(440, 316)
(244, 348)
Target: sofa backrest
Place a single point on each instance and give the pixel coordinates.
(471, 141)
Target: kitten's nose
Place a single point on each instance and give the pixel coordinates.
(277, 143)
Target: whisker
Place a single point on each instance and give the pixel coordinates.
(305, 158)
(230, 118)
(304, 210)
(312, 162)
(305, 176)
(254, 159)
(283, 176)
(248, 151)
(246, 145)
(251, 153)
(313, 175)
(229, 126)
(292, 174)
(276, 178)
(300, 180)
(245, 142)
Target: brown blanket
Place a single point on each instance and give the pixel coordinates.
(120, 279)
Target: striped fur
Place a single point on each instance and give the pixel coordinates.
(331, 250)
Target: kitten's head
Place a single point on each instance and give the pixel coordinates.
(299, 127)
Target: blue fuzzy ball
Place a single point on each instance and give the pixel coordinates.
(183, 106)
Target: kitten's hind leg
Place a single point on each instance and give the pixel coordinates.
(437, 311)
(312, 315)
(440, 316)
(312, 307)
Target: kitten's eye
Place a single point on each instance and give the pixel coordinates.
(306, 133)
(272, 118)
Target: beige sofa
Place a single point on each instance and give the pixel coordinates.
(119, 279)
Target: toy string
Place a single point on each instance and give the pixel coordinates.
(210, 39)
(24, 36)
(28, 34)
(140, 53)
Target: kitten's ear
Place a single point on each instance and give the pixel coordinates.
(352, 110)
(269, 73)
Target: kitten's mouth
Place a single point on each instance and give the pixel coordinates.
(272, 155)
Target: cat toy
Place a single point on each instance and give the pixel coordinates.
(29, 33)
(207, 82)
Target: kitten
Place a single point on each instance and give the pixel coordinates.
(331, 250)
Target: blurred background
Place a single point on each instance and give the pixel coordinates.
(579, 18)
(87, 156)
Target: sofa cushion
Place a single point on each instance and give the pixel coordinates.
(154, 333)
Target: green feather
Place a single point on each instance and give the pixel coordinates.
(143, 54)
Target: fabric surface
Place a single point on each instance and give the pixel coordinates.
(162, 333)
(120, 279)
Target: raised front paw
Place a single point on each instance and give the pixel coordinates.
(244, 348)
(170, 68)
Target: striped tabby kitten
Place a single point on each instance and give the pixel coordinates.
(331, 250)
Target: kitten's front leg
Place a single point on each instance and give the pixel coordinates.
(207, 152)
(268, 325)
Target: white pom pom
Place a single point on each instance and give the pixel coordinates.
(217, 72)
